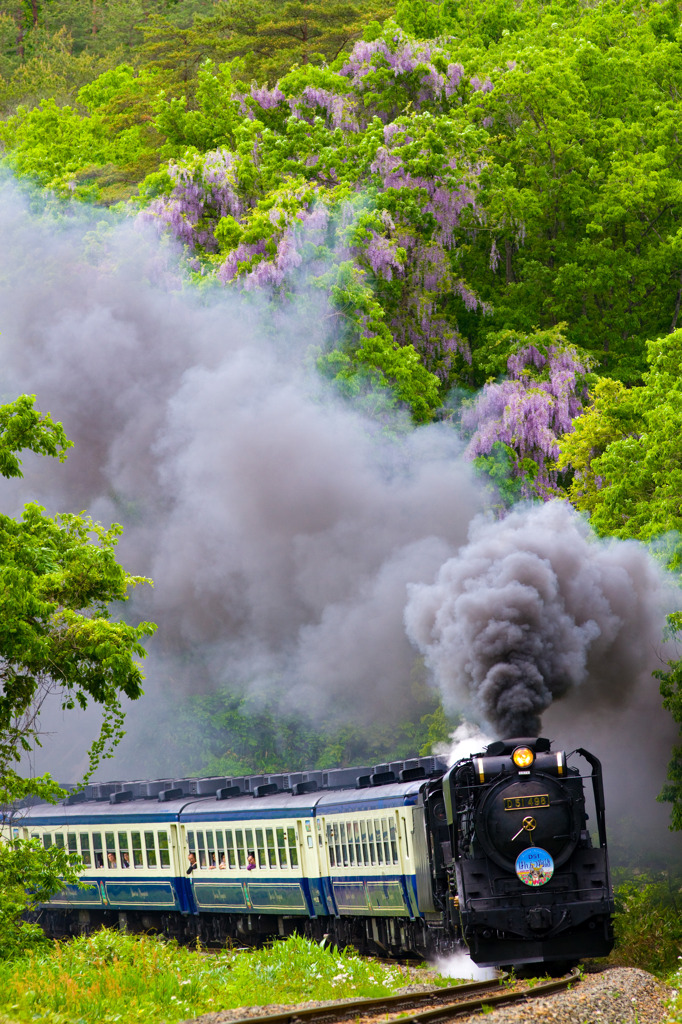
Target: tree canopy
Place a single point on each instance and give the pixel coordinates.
(59, 578)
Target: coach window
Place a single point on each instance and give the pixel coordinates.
(370, 840)
(394, 844)
(112, 859)
(382, 837)
(271, 855)
(59, 841)
(150, 849)
(123, 847)
(220, 849)
(250, 846)
(260, 844)
(363, 837)
(241, 858)
(97, 850)
(344, 845)
(164, 852)
(231, 858)
(210, 847)
(330, 845)
(387, 848)
(201, 849)
(293, 848)
(358, 849)
(137, 850)
(281, 848)
(351, 848)
(72, 842)
(85, 849)
(377, 836)
(47, 841)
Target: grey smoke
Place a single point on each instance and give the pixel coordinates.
(281, 527)
(534, 608)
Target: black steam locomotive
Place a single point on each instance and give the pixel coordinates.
(402, 858)
(528, 881)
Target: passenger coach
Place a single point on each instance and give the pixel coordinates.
(218, 858)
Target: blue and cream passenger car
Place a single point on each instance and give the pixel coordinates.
(400, 858)
(248, 857)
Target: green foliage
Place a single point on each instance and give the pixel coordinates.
(628, 452)
(29, 876)
(648, 923)
(626, 458)
(58, 578)
(227, 733)
(110, 976)
(505, 476)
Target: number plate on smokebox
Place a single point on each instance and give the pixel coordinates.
(520, 803)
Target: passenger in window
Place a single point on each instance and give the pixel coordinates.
(211, 862)
(251, 861)
(192, 864)
(125, 860)
(222, 864)
(111, 857)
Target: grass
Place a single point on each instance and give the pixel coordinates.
(110, 977)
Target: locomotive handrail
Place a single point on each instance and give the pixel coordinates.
(598, 788)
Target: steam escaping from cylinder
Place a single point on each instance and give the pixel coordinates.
(532, 608)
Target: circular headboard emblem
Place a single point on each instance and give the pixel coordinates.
(534, 866)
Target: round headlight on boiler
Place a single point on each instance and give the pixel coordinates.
(523, 757)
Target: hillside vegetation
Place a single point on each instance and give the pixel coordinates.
(486, 193)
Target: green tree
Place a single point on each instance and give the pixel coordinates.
(58, 579)
(626, 456)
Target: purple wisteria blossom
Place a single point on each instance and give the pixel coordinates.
(266, 98)
(382, 257)
(403, 58)
(481, 86)
(338, 107)
(241, 254)
(203, 192)
(454, 76)
(306, 227)
(529, 411)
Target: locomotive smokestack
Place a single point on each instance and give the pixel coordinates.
(533, 607)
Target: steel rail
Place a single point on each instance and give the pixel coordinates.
(340, 1010)
(471, 1005)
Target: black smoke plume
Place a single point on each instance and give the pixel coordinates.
(535, 607)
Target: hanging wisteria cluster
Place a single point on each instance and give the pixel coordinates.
(334, 161)
(529, 411)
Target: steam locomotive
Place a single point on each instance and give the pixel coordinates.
(405, 858)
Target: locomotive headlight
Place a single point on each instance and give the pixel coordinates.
(523, 757)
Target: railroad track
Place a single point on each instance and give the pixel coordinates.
(441, 1003)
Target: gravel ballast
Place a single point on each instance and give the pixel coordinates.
(617, 995)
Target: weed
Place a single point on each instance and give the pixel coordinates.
(648, 924)
(111, 977)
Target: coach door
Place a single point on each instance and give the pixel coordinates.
(177, 863)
